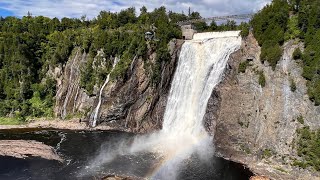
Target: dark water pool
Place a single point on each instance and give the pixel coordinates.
(82, 149)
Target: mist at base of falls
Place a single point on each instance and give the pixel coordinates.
(200, 68)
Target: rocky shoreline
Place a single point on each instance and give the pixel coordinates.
(73, 124)
(26, 148)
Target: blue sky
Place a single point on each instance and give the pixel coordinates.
(91, 8)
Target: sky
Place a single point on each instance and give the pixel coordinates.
(91, 8)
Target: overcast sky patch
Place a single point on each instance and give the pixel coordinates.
(91, 8)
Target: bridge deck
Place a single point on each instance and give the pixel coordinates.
(216, 18)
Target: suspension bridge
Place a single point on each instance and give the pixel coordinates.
(217, 18)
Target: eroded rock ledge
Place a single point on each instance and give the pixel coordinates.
(24, 149)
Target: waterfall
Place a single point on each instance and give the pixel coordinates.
(200, 68)
(201, 65)
(95, 113)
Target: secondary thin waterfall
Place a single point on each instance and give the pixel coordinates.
(200, 68)
(95, 113)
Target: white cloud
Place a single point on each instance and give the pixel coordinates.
(91, 8)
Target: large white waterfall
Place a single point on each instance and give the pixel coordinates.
(95, 113)
(200, 68)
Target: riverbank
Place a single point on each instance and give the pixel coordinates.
(72, 124)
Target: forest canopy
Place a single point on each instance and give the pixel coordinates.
(31, 46)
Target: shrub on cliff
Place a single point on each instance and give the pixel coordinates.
(308, 148)
(245, 29)
(269, 26)
(271, 53)
(293, 86)
(262, 79)
(297, 54)
(243, 66)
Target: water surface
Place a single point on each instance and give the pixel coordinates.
(82, 149)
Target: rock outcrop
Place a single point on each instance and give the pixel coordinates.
(252, 120)
(71, 98)
(135, 103)
(24, 149)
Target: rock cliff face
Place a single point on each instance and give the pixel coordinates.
(251, 121)
(132, 104)
(135, 104)
(71, 99)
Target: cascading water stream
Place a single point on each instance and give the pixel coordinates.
(95, 113)
(200, 68)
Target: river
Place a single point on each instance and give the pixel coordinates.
(80, 150)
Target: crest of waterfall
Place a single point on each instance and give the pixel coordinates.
(95, 113)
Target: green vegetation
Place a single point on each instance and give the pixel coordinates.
(245, 29)
(297, 54)
(31, 47)
(293, 30)
(281, 169)
(308, 12)
(272, 26)
(262, 79)
(300, 119)
(9, 121)
(271, 53)
(308, 148)
(269, 26)
(293, 86)
(243, 66)
(245, 149)
(267, 153)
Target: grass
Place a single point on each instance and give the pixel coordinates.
(281, 169)
(262, 79)
(9, 121)
(267, 153)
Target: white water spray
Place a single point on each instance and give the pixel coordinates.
(200, 68)
(95, 113)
